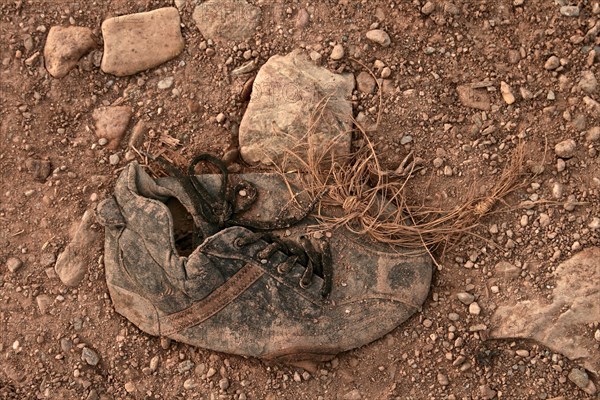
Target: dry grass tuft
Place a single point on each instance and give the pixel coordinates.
(372, 201)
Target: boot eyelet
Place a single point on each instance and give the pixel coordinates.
(305, 285)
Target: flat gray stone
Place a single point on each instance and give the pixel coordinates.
(90, 356)
(137, 42)
(563, 324)
(71, 265)
(474, 97)
(227, 20)
(505, 269)
(288, 92)
(65, 46)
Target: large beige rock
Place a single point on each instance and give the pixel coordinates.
(295, 106)
(65, 45)
(227, 20)
(136, 42)
(564, 324)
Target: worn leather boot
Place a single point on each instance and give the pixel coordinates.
(238, 291)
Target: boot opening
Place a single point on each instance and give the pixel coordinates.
(183, 227)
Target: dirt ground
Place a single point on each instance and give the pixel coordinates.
(431, 356)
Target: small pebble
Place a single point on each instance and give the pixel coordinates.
(552, 63)
(557, 190)
(185, 366)
(524, 220)
(337, 53)
(570, 11)
(165, 343)
(90, 356)
(114, 159)
(130, 387)
(386, 72)
(165, 83)
(154, 363)
(14, 264)
(465, 298)
(428, 8)
(565, 149)
(522, 353)
(579, 377)
(189, 384)
(103, 141)
(442, 379)
(487, 392)
(66, 345)
(316, 57)
(224, 384)
(380, 37)
(406, 139)
(474, 308)
(506, 92)
(221, 118)
(593, 135)
(588, 82)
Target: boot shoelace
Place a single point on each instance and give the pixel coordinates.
(223, 212)
(314, 262)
